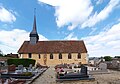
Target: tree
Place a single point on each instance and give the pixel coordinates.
(108, 58)
(117, 57)
(1, 54)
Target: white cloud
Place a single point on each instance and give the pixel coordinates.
(119, 20)
(50, 2)
(93, 30)
(70, 12)
(10, 41)
(71, 36)
(97, 17)
(99, 1)
(6, 15)
(105, 43)
(75, 13)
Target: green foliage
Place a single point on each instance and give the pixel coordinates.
(23, 61)
(1, 55)
(108, 58)
(117, 56)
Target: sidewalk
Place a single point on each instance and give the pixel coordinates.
(48, 77)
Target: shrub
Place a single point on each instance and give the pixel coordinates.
(23, 61)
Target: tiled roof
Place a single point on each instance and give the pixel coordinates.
(53, 47)
(12, 55)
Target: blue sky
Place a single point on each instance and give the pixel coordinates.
(97, 22)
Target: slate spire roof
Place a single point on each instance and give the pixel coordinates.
(34, 35)
(34, 31)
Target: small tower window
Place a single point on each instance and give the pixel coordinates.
(51, 56)
(29, 55)
(60, 56)
(79, 56)
(39, 56)
(69, 56)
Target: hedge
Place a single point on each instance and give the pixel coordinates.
(21, 61)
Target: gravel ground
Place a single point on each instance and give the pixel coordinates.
(48, 77)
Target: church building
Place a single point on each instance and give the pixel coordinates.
(53, 52)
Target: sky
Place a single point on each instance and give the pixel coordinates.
(97, 22)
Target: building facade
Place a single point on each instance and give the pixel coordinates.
(53, 52)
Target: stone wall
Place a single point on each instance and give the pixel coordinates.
(45, 58)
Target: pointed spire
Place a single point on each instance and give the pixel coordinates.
(34, 35)
(34, 31)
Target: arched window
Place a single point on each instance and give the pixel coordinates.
(39, 56)
(60, 56)
(51, 56)
(69, 56)
(79, 56)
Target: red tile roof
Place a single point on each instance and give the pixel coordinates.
(53, 47)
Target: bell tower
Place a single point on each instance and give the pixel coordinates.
(33, 34)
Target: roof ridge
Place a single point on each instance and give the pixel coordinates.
(58, 40)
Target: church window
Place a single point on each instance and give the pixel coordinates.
(51, 56)
(69, 56)
(60, 56)
(39, 56)
(29, 55)
(79, 56)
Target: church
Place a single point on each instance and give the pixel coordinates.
(53, 52)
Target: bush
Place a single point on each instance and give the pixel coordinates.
(23, 61)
